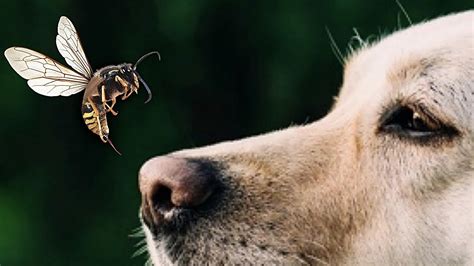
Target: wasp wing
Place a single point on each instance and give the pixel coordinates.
(45, 75)
(70, 47)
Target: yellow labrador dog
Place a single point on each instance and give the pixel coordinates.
(386, 178)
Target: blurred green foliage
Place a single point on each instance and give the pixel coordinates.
(230, 69)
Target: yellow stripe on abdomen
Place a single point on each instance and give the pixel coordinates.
(90, 121)
(88, 115)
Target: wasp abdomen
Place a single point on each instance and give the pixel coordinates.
(95, 118)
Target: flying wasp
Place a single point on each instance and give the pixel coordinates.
(48, 77)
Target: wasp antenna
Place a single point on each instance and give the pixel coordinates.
(111, 144)
(146, 87)
(145, 56)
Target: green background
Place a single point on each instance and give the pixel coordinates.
(230, 69)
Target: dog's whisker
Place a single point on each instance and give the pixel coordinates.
(148, 262)
(404, 11)
(137, 233)
(337, 52)
(139, 251)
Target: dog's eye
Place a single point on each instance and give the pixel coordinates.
(409, 122)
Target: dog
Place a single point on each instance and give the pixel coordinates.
(385, 178)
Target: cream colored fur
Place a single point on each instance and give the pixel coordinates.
(339, 192)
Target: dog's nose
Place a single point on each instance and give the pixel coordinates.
(168, 182)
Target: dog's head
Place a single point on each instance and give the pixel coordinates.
(386, 177)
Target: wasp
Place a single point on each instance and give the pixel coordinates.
(101, 88)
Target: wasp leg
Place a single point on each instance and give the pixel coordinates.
(101, 134)
(96, 115)
(121, 81)
(124, 86)
(111, 106)
(114, 101)
(125, 95)
(94, 106)
(110, 109)
(102, 95)
(104, 101)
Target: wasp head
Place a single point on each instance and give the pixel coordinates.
(125, 78)
(127, 73)
(128, 78)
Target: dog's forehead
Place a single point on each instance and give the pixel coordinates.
(432, 60)
(449, 34)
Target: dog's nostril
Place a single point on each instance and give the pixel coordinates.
(169, 182)
(161, 199)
